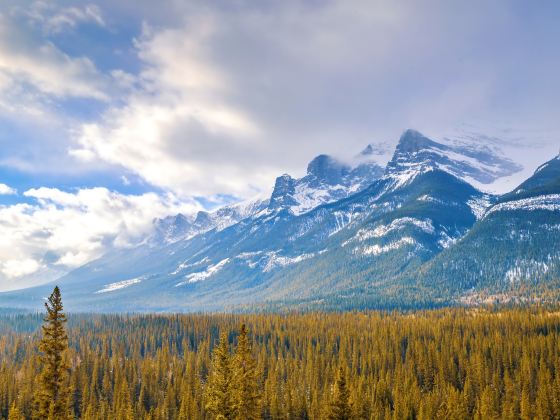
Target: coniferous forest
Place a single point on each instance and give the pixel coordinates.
(449, 363)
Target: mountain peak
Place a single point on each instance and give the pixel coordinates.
(327, 180)
(172, 228)
(284, 189)
(479, 166)
(412, 141)
(327, 169)
(369, 150)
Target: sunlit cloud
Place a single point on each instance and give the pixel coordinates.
(61, 230)
(7, 190)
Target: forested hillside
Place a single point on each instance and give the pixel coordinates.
(456, 363)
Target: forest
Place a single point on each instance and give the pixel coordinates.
(448, 363)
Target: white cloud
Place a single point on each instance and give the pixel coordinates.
(54, 19)
(179, 113)
(62, 230)
(38, 79)
(72, 16)
(27, 61)
(18, 268)
(230, 97)
(7, 190)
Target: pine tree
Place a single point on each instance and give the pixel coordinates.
(15, 413)
(339, 408)
(246, 388)
(53, 396)
(526, 409)
(218, 393)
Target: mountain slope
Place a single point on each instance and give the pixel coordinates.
(472, 163)
(513, 247)
(183, 227)
(343, 236)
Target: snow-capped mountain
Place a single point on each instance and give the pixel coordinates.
(344, 235)
(183, 227)
(473, 163)
(515, 244)
(327, 180)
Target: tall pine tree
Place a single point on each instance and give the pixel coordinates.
(340, 408)
(218, 393)
(246, 387)
(15, 413)
(53, 396)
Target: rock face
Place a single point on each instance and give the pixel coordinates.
(346, 235)
(326, 170)
(327, 180)
(471, 163)
(283, 193)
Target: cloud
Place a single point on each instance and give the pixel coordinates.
(53, 18)
(178, 130)
(43, 66)
(229, 97)
(61, 230)
(59, 20)
(46, 90)
(7, 190)
(19, 268)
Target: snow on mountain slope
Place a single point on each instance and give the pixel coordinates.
(516, 241)
(203, 275)
(550, 202)
(343, 223)
(327, 180)
(183, 227)
(527, 146)
(478, 165)
(119, 285)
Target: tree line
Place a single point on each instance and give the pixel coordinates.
(450, 363)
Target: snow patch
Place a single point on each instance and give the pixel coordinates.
(275, 261)
(119, 285)
(402, 178)
(479, 206)
(550, 202)
(446, 241)
(380, 231)
(526, 269)
(184, 266)
(203, 275)
(381, 249)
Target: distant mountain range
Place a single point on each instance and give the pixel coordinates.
(412, 233)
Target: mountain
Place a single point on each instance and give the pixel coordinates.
(475, 164)
(514, 249)
(183, 227)
(545, 180)
(346, 235)
(327, 180)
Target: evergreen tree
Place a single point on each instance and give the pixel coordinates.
(218, 393)
(246, 387)
(15, 413)
(339, 408)
(53, 396)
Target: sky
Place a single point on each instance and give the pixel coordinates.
(113, 113)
